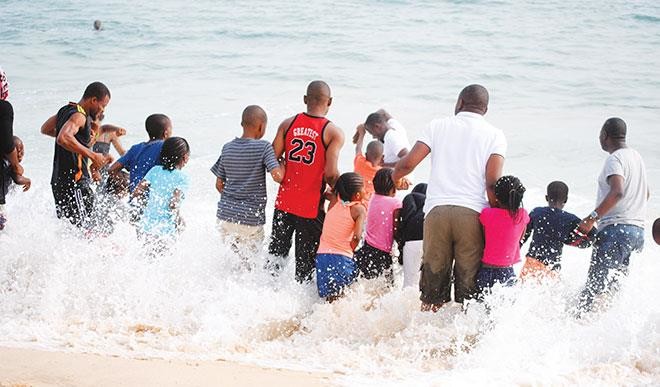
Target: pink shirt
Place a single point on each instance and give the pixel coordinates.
(503, 235)
(380, 221)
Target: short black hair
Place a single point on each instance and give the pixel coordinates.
(616, 128)
(383, 183)
(174, 149)
(475, 96)
(375, 118)
(96, 89)
(156, 124)
(348, 185)
(557, 192)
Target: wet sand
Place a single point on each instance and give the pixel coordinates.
(28, 367)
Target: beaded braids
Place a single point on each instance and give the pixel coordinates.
(509, 192)
(348, 184)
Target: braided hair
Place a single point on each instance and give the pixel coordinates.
(383, 183)
(509, 192)
(348, 184)
(174, 149)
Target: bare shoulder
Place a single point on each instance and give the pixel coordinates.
(333, 134)
(358, 211)
(286, 124)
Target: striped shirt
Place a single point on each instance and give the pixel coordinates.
(242, 166)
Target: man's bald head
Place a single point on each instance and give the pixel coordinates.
(615, 128)
(253, 117)
(473, 98)
(318, 97)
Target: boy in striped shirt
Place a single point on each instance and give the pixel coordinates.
(241, 182)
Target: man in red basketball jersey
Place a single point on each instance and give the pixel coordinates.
(310, 145)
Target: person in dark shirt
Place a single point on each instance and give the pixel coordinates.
(656, 231)
(552, 228)
(73, 159)
(411, 233)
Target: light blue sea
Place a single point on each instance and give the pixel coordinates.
(555, 71)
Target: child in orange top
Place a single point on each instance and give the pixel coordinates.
(342, 231)
(367, 165)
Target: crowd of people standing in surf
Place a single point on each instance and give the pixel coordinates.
(465, 227)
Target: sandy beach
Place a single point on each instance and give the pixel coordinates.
(27, 367)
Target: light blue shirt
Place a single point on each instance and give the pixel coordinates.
(158, 218)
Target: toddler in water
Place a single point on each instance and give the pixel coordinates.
(410, 234)
(374, 258)
(367, 165)
(342, 231)
(165, 185)
(552, 227)
(241, 181)
(503, 229)
(7, 177)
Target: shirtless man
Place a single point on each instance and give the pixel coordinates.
(309, 144)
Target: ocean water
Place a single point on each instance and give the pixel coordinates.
(555, 70)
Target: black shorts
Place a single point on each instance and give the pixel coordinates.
(308, 235)
(372, 262)
(74, 201)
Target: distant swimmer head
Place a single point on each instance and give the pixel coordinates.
(557, 194)
(318, 96)
(98, 25)
(375, 152)
(254, 121)
(473, 98)
(174, 154)
(159, 126)
(95, 98)
(509, 193)
(4, 85)
(613, 133)
(376, 125)
(350, 187)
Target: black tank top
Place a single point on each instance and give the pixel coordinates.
(70, 166)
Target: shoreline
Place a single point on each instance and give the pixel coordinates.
(30, 367)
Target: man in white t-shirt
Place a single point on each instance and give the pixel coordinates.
(467, 157)
(621, 213)
(382, 126)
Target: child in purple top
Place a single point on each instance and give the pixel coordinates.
(504, 227)
(374, 258)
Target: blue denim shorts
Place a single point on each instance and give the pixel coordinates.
(333, 273)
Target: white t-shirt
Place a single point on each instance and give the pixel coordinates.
(631, 209)
(460, 148)
(394, 141)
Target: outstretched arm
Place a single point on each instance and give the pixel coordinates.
(335, 140)
(49, 128)
(358, 138)
(411, 160)
(278, 142)
(359, 215)
(67, 140)
(611, 199)
(494, 167)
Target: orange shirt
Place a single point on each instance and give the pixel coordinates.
(367, 170)
(338, 228)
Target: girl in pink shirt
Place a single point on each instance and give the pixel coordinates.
(342, 231)
(374, 258)
(504, 227)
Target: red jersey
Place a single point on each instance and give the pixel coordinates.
(301, 189)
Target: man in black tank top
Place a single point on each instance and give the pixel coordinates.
(70, 181)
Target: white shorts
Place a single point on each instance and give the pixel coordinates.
(412, 260)
(246, 241)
